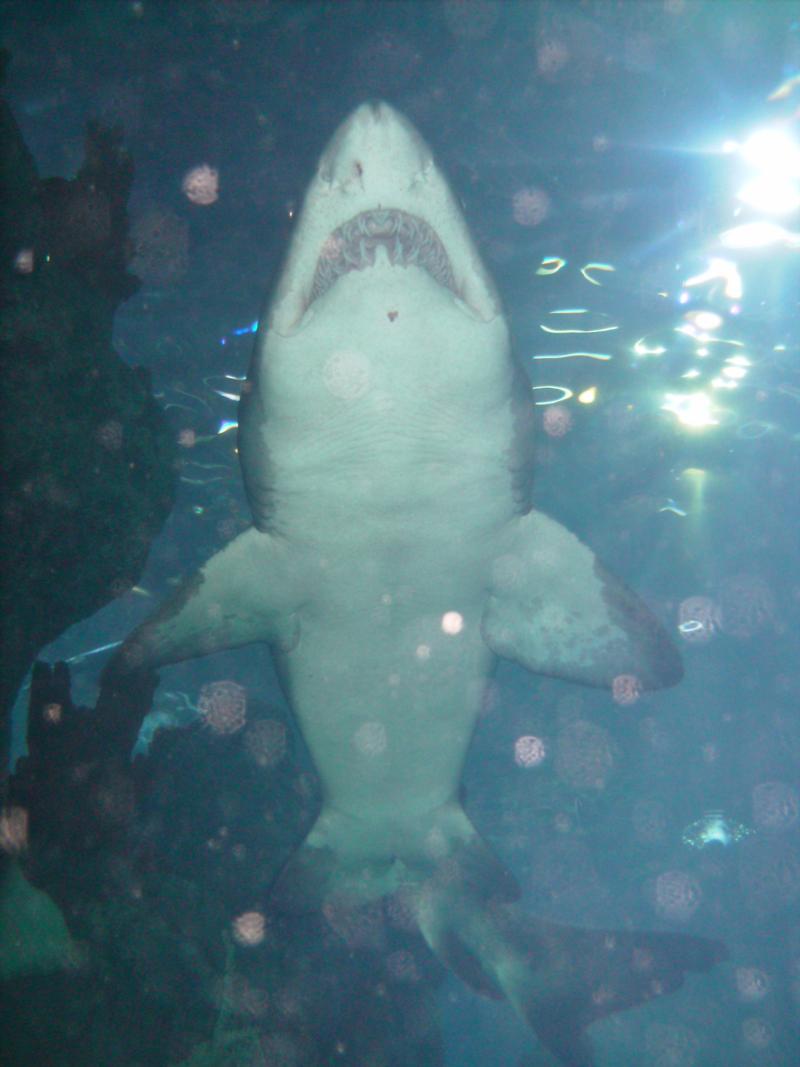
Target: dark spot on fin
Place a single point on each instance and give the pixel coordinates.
(584, 975)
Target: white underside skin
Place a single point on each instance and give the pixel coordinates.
(394, 555)
(397, 504)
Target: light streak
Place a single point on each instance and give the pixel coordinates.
(563, 390)
(576, 355)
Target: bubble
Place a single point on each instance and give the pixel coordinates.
(530, 206)
(265, 742)
(223, 707)
(114, 801)
(557, 420)
(776, 806)
(551, 56)
(370, 738)
(529, 751)
(244, 998)
(452, 623)
(752, 984)
(346, 375)
(249, 928)
(53, 713)
(698, 619)
(757, 1032)
(358, 927)
(626, 689)
(227, 528)
(709, 750)
(13, 829)
(670, 1045)
(201, 185)
(402, 966)
(677, 896)
(110, 435)
(24, 261)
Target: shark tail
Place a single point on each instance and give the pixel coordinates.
(559, 979)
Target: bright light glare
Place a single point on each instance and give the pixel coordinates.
(772, 151)
(452, 622)
(785, 89)
(722, 270)
(776, 195)
(551, 265)
(641, 348)
(758, 235)
(692, 409)
(705, 320)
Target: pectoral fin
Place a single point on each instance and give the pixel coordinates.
(247, 592)
(556, 610)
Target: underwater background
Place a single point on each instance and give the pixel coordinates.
(631, 173)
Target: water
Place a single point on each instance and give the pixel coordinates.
(616, 164)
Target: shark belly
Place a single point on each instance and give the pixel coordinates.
(389, 730)
(380, 479)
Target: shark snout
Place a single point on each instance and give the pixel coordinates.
(376, 151)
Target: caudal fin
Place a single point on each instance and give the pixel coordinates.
(576, 976)
(559, 979)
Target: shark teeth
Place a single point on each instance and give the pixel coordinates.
(407, 239)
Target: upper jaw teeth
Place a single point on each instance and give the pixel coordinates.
(405, 239)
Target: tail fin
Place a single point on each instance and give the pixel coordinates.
(559, 979)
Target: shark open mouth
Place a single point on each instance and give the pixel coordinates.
(408, 240)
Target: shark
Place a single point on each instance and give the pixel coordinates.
(386, 447)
